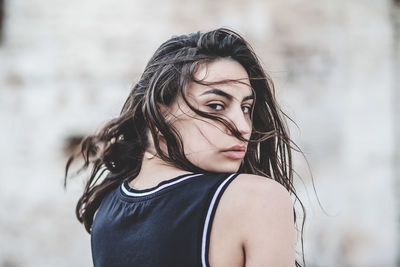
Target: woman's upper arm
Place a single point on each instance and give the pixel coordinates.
(267, 225)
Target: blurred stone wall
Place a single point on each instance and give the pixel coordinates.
(66, 68)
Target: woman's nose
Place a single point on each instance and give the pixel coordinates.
(241, 122)
(243, 125)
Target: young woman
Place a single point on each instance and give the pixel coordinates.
(198, 164)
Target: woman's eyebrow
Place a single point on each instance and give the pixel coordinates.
(224, 94)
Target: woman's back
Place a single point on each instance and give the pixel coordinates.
(179, 222)
(167, 225)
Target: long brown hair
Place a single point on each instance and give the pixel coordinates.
(118, 148)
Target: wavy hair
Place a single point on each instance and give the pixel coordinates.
(118, 148)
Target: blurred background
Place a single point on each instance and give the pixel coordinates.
(66, 68)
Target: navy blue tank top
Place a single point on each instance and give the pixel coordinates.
(167, 225)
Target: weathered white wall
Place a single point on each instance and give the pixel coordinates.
(67, 66)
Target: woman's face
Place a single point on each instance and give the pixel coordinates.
(208, 144)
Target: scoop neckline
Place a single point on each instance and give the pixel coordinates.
(165, 185)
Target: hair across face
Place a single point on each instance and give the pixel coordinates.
(175, 67)
(221, 88)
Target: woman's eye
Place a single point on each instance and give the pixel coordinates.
(246, 109)
(216, 106)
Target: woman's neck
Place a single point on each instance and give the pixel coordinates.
(153, 171)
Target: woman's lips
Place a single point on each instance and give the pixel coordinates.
(234, 154)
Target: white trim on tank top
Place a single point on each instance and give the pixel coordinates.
(208, 217)
(136, 194)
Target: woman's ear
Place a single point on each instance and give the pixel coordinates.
(166, 111)
(163, 108)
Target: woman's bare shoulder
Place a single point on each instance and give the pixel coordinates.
(255, 186)
(263, 212)
(257, 196)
